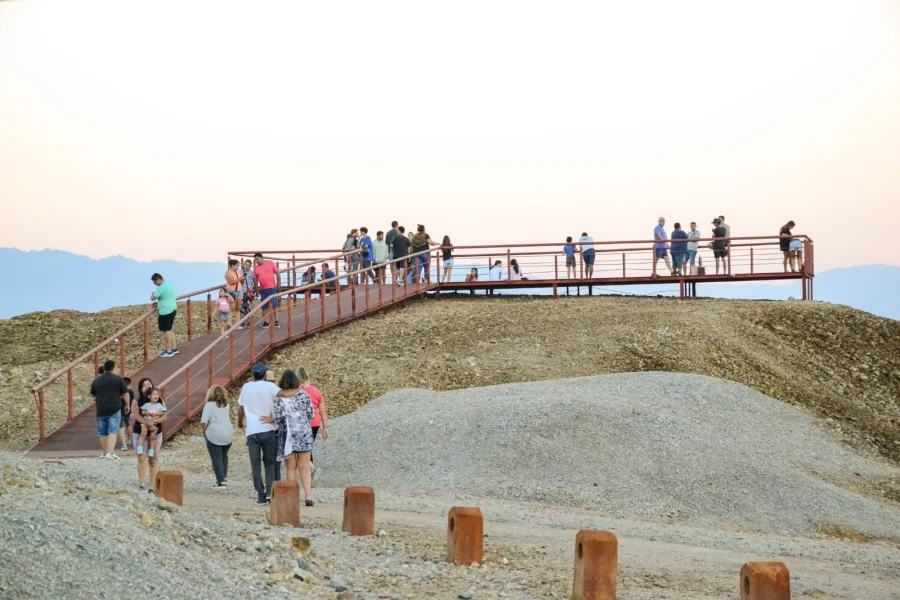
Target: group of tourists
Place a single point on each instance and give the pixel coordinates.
(281, 421)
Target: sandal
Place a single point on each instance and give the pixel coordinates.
(309, 503)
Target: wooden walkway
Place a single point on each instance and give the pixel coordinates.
(78, 437)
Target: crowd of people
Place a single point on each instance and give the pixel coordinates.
(281, 423)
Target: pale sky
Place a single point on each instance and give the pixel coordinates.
(185, 129)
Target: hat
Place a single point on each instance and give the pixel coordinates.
(259, 370)
(717, 221)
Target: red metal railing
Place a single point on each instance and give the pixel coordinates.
(139, 329)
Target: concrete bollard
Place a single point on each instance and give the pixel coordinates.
(285, 505)
(465, 536)
(596, 562)
(765, 581)
(169, 486)
(359, 511)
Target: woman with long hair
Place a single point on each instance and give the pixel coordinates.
(515, 274)
(293, 410)
(218, 432)
(145, 387)
(447, 251)
(319, 420)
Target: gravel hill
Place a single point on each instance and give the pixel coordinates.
(660, 445)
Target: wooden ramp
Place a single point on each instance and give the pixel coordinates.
(203, 361)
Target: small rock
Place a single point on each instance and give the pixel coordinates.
(464, 595)
(301, 544)
(382, 533)
(338, 583)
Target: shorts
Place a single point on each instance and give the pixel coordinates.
(263, 294)
(109, 425)
(125, 420)
(135, 438)
(589, 256)
(166, 322)
(570, 261)
(448, 262)
(238, 295)
(796, 246)
(690, 257)
(224, 317)
(720, 253)
(677, 258)
(661, 253)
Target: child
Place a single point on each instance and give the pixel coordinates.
(150, 411)
(472, 276)
(569, 250)
(223, 303)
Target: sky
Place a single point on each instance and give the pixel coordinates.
(183, 130)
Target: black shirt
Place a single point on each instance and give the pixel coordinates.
(719, 244)
(401, 245)
(448, 253)
(108, 391)
(389, 238)
(785, 240)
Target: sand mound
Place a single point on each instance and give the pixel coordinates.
(653, 444)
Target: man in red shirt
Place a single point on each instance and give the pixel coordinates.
(267, 279)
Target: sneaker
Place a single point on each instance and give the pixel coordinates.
(167, 354)
(262, 502)
(315, 476)
(139, 450)
(242, 326)
(124, 448)
(309, 503)
(174, 351)
(103, 456)
(113, 456)
(220, 486)
(150, 453)
(142, 487)
(277, 325)
(265, 325)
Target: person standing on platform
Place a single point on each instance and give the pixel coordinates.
(400, 249)
(109, 391)
(447, 256)
(784, 243)
(691, 256)
(569, 250)
(234, 285)
(720, 245)
(588, 254)
(256, 405)
(249, 289)
(727, 234)
(660, 247)
(389, 242)
(166, 306)
(380, 258)
(679, 248)
(266, 273)
(366, 253)
(125, 426)
(351, 257)
(421, 242)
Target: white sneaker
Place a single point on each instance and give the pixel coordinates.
(103, 456)
(112, 456)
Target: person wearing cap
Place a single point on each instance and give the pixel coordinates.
(660, 247)
(720, 245)
(256, 405)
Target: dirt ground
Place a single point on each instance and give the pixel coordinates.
(840, 363)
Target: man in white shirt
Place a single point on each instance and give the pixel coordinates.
(587, 254)
(692, 249)
(257, 400)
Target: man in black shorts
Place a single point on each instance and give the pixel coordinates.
(400, 247)
(720, 245)
(166, 306)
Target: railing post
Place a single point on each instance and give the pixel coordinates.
(580, 267)
(322, 303)
(653, 254)
(252, 342)
(272, 318)
(751, 260)
(366, 275)
(70, 395)
(41, 414)
(97, 360)
(308, 299)
(508, 265)
(623, 265)
(729, 260)
(339, 298)
(437, 266)
(294, 271)
(122, 339)
(353, 295)
(290, 314)
(208, 313)
(555, 271)
(146, 341)
(187, 391)
(231, 357)
(211, 366)
(190, 327)
(381, 287)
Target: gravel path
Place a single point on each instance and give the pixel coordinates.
(657, 445)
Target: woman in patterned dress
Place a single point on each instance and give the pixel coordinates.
(293, 410)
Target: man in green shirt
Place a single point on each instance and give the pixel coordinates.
(166, 306)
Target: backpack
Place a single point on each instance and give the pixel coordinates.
(419, 240)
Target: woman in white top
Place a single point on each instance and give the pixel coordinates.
(515, 274)
(218, 431)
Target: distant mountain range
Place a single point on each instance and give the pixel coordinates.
(54, 279)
